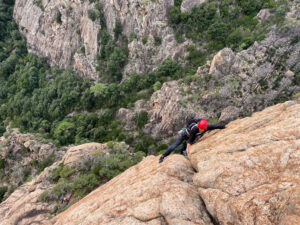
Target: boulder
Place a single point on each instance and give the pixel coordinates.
(187, 5)
(222, 62)
(289, 73)
(263, 14)
(22, 206)
(76, 153)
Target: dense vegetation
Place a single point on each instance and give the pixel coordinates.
(218, 24)
(37, 98)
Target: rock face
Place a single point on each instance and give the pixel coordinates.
(148, 193)
(249, 173)
(233, 85)
(20, 151)
(168, 109)
(59, 30)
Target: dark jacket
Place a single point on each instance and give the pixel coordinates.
(193, 130)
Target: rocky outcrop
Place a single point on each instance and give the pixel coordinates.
(76, 153)
(60, 30)
(249, 172)
(222, 62)
(187, 5)
(168, 109)
(263, 14)
(21, 153)
(23, 205)
(148, 193)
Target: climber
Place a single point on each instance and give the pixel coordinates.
(195, 127)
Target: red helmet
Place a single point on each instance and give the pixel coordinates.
(202, 125)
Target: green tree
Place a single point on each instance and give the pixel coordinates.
(141, 118)
(117, 29)
(3, 190)
(92, 14)
(65, 132)
(218, 33)
(167, 67)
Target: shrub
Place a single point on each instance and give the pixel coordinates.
(175, 15)
(58, 17)
(177, 2)
(196, 58)
(92, 15)
(2, 163)
(144, 40)
(281, 10)
(157, 41)
(167, 67)
(141, 118)
(218, 32)
(3, 190)
(56, 172)
(157, 86)
(66, 172)
(64, 132)
(249, 7)
(44, 197)
(48, 161)
(84, 184)
(117, 29)
(132, 36)
(60, 189)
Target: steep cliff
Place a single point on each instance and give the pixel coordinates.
(59, 30)
(245, 174)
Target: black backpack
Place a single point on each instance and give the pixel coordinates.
(191, 123)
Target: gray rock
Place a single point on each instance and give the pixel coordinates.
(187, 5)
(263, 14)
(60, 42)
(289, 73)
(222, 62)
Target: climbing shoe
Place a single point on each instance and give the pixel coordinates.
(183, 153)
(161, 159)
